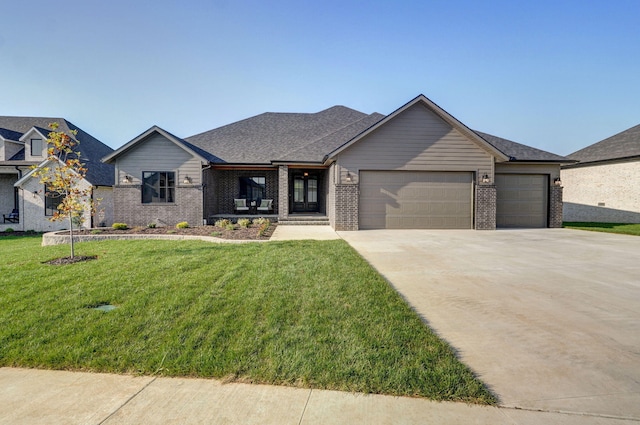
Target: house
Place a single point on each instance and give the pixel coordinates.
(418, 167)
(604, 186)
(23, 145)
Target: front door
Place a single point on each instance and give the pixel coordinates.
(305, 193)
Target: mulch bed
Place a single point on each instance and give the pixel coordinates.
(69, 260)
(250, 233)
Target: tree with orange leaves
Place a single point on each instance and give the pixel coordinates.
(62, 177)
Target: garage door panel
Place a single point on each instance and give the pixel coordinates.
(522, 200)
(415, 200)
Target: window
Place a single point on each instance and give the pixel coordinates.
(36, 147)
(51, 201)
(253, 188)
(158, 186)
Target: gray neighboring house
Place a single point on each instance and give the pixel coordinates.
(23, 146)
(417, 167)
(604, 185)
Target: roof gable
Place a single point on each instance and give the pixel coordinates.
(92, 149)
(623, 145)
(189, 148)
(441, 113)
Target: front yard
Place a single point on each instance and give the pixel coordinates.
(304, 313)
(622, 228)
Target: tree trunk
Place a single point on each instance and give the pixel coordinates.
(71, 233)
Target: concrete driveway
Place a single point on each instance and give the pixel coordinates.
(549, 318)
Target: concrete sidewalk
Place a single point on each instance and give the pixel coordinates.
(30, 396)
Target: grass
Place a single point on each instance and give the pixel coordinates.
(303, 313)
(622, 228)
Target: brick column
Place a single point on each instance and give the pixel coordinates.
(555, 206)
(346, 206)
(283, 192)
(485, 207)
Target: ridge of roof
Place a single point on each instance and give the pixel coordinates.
(625, 144)
(269, 136)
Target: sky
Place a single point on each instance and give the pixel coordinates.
(557, 75)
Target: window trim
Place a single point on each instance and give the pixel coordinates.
(158, 200)
(245, 195)
(39, 153)
(50, 210)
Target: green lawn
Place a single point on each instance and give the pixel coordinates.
(304, 313)
(627, 229)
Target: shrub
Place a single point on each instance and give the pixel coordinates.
(120, 226)
(214, 234)
(263, 227)
(8, 229)
(96, 231)
(222, 223)
(260, 221)
(244, 222)
(230, 226)
(151, 225)
(182, 225)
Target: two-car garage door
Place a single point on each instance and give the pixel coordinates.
(415, 200)
(444, 200)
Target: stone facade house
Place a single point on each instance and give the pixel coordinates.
(604, 183)
(23, 145)
(418, 167)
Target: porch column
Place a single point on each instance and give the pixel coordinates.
(485, 207)
(283, 192)
(555, 206)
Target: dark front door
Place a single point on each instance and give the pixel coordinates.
(305, 193)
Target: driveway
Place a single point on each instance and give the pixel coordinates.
(549, 318)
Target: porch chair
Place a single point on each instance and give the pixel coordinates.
(13, 217)
(266, 206)
(240, 206)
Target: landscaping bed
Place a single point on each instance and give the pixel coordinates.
(238, 233)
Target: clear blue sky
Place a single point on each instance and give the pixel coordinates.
(557, 75)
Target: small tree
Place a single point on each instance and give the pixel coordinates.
(62, 178)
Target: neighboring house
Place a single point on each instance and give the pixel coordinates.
(23, 145)
(604, 186)
(418, 167)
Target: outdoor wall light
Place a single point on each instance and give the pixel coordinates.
(187, 180)
(485, 178)
(557, 181)
(126, 179)
(349, 177)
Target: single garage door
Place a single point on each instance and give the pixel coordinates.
(415, 200)
(521, 200)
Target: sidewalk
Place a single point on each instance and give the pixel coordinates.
(30, 396)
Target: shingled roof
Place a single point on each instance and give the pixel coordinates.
(623, 145)
(521, 153)
(92, 149)
(291, 137)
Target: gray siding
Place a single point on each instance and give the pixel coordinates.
(157, 153)
(553, 170)
(415, 140)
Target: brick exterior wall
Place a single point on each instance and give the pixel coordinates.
(555, 206)
(129, 209)
(283, 192)
(223, 186)
(346, 206)
(607, 193)
(485, 207)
